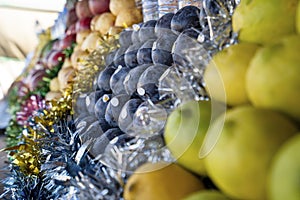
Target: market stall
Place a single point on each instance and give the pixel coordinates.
(159, 100)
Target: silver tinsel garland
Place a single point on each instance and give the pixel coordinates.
(70, 172)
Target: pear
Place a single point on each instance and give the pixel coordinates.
(185, 131)
(285, 171)
(264, 21)
(163, 181)
(231, 64)
(272, 80)
(207, 195)
(239, 162)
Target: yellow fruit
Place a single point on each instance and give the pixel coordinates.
(81, 35)
(65, 76)
(115, 30)
(54, 85)
(240, 161)
(285, 171)
(231, 64)
(163, 181)
(93, 22)
(272, 80)
(77, 56)
(104, 22)
(207, 195)
(90, 43)
(67, 63)
(53, 95)
(185, 131)
(298, 18)
(128, 17)
(258, 21)
(116, 6)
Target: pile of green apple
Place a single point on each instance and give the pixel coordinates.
(249, 147)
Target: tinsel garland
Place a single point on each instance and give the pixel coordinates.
(94, 63)
(51, 162)
(26, 158)
(49, 155)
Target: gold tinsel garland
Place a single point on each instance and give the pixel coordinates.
(93, 63)
(26, 155)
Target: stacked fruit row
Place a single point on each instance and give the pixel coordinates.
(261, 127)
(56, 61)
(245, 138)
(131, 76)
(242, 139)
(88, 21)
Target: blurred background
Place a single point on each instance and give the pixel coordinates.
(20, 23)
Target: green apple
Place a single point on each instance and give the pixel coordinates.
(264, 21)
(185, 131)
(163, 181)
(272, 80)
(239, 162)
(231, 63)
(285, 171)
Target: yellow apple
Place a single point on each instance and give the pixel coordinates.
(116, 6)
(285, 171)
(54, 85)
(163, 181)
(207, 195)
(298, 18)
(128, 17)
(104, 22)
(264, 21)
(272, 80)
(240, 161)
(185, 132)
(231, 63)
(90, 43)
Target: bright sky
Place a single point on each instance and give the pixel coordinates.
(52, 5)
(11, 68)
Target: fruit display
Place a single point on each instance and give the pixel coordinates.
(200, 103)
(285, 161)
(143, 183)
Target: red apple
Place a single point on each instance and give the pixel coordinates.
(99, 6)
(71, 29)
(56, 46)
(56, 57)
(44, 59)
(82, 9)
(22, 87)
(67, 41)
(83, 24)
(39, 65)
(35, 78)
(71, 17)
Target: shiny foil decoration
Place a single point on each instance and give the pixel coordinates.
(93, 63)
(195, 53)
(54, 163)
(28, 109)
(26, 155)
